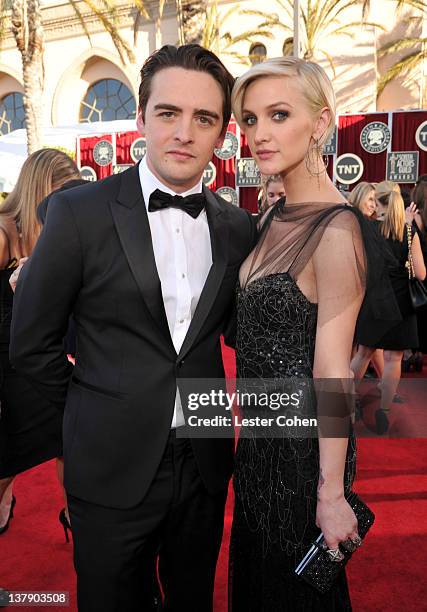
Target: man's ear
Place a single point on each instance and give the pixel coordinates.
(140, 124)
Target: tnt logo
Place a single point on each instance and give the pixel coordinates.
(421, 136)
(138, 149)
(348, 168)
(209, 175)
(88, 174)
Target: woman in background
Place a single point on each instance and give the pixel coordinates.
(363, 198)
(272, 189)
(419, 198)
(30, 428)
(392, 221)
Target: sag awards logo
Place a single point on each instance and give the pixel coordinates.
(209, 175)
(229, 194)
(421, 136)
(375, 137)
(138, 149)
(88, 174)
(402, 166)
(229, 147)
(348, 168)
(248, 174)
(103, 153)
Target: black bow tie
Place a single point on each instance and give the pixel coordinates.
(191, 204)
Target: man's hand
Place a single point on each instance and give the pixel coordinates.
(14, 277)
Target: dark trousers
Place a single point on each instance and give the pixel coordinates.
(178, 522)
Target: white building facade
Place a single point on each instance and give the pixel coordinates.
(87, 81)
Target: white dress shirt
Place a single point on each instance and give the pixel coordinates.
(183, 255)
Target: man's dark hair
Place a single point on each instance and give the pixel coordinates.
(189, 57)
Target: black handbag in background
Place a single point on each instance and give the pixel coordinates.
(417, 291)
(317, 568)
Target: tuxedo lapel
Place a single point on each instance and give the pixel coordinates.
(218, 229)
(131, 220)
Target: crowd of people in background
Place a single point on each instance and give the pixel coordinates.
(391, 209)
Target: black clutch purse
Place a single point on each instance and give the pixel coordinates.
(317, 568)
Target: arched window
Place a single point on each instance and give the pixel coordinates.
(257, 53)
(107, 100)
(288, 47)
(12, 115)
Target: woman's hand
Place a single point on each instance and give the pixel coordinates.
(337, 521)
(14, 277)
(410, 213)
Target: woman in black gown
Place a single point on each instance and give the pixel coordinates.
(30, 428)
(299, 297)
(362, 197)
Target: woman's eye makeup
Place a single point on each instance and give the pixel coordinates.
(277, 115)
(280, 115)
(249, 119)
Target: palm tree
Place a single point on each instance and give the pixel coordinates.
(204, 24)
(416, 47)
(321, 19)
(28, 32)
(27, 28)
(2, 22)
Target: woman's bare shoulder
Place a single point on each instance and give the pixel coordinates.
(8, 236)
(4, 247)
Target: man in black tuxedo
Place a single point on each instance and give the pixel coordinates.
(150, 280)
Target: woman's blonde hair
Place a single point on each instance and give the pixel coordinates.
(360, 193)
(43, 171)
(315, 85)
(388, 194)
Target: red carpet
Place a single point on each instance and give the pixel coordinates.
(387, 573)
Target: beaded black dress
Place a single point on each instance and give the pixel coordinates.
(275, 479)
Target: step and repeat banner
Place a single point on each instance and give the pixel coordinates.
(365, 147)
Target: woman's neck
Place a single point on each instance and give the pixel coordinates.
(301, 186)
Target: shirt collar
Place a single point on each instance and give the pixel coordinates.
(149, 183)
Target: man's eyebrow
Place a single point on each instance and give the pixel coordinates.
(166, 106)
(206, 113)
(197, 112)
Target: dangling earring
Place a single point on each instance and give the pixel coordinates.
(315, 149)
